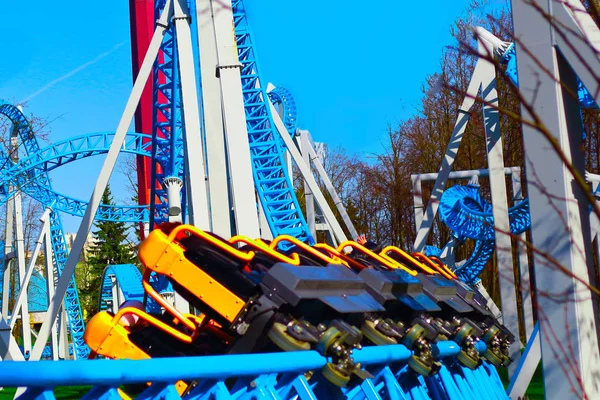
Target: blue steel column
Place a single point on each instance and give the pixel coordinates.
(167, 157)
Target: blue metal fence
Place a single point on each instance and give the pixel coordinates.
(260, 376)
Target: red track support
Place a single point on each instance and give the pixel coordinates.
(141, 14)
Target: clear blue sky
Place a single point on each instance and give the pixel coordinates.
(353, 67)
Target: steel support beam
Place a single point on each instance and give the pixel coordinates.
(559, 211)
(20, 244)
(495, 156)
(526, 367)
(218, 188)
(525, 282)
(309, 199)
(50, 278)
(307, 175)
(24, 280)
(316, 161)
(8, 244)
(9, 349)
(234, 117)
(194, 152)
(479, 73)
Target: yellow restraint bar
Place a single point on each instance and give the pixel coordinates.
(164, 255)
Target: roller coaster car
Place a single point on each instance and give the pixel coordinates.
(262, 291)
(440, 286)
(117, 337)
(483, 325)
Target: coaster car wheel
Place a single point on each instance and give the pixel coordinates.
(333, 374)
(279, 336)
(369, 329)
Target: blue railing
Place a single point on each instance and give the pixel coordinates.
(260, 376)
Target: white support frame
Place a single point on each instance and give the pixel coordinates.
(315, 160)
(8, 244)
(307, 175)
(568, 312)
(50, 279)
(483, 80)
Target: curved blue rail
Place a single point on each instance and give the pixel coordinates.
(29, 174)
(271, 177)
(129, 280)
(464, 210)
(59, 244)
(282, 96)
(261, 376)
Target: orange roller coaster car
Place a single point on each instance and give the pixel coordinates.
(107, 336)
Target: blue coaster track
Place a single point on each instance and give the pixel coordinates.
(464, 210)
(271, 178)
(283, 96)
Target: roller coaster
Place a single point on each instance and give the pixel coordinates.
(236, 298)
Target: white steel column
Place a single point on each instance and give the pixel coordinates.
(22, 298)
(103, 177)
(309, 199)
(193, 150)
(265, 229)
(559, 210)
(20, 242)
(331, 189)
(63, 336)
(50, 287)
(236, 131)
(523, 261)
(8, 243)
(417, 189)
(495, 156)
(307, 175)
(218, 188)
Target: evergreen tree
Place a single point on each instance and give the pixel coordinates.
(110, 247)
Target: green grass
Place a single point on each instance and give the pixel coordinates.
(69, 392)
